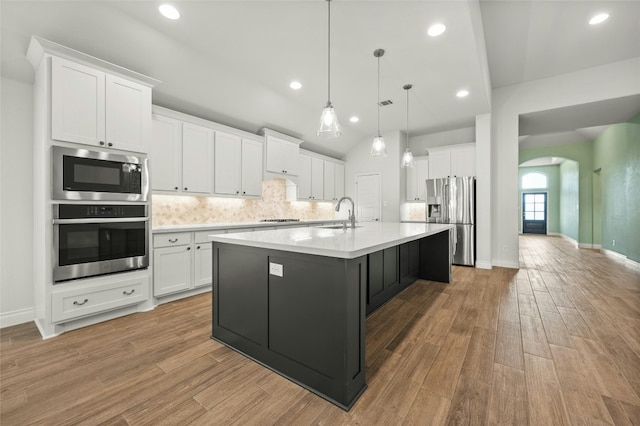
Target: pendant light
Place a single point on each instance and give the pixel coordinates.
(378, 147)
(407, 157)
(329, 126)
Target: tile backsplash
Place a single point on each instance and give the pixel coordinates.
(187, 210)
(416, 211)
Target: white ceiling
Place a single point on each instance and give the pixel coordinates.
(232, 61)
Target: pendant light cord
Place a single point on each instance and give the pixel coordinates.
(407, 118)
(378, 95)
(329, 54)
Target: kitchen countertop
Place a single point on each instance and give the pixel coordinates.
(238, 225)
(346, 244)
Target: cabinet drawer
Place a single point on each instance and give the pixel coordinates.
(171, 239)
(93, 299)
(203, 236)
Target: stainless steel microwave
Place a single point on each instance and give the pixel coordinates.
(80, 174)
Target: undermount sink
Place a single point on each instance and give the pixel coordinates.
(339, 227)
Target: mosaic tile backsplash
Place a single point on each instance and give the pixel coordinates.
(417, 211)
(186, 210)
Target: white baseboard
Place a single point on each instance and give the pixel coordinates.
(571, 240)
(614, 255)
(506, 264)
(7, 319)
(629, 263)
(632, 264)
(588, 246)
(483, 264)
(554, 234)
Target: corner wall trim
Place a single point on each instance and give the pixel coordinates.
(632, 264)
(21, 316)
(506, 264)
(483, 264)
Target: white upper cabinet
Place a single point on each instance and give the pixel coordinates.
(237, 166)
(166, 154)
(282, 156)
(463, 162)
(197, 159)
(251, 168)
(317, 178)
(456, 160)
(329, 181)
(304, 179)
(339, 182)
(439, 164)
(416, 179)
(77, 103)
(92, 107)
(227, 164)
(128, 114)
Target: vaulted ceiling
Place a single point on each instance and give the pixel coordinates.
(232, 61)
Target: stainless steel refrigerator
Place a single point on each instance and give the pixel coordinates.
(452, 200)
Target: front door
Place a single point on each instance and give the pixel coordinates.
(534, 213)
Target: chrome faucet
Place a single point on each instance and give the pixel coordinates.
(352, 212)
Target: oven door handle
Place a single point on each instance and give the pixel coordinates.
(116, 220)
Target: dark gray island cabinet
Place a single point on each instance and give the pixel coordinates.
(296, 300)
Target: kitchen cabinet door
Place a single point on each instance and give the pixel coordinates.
(317, 178)
(166, 154)
(439, 164)
(202, 264)
(171, 269)
(197, 149)
(339, 182)
(77, 103)
(282, 156)
(329, 181)
(416, 177)
(304, 177)
(127, 114)
(227, 164)
(463, 162)
(251, 168)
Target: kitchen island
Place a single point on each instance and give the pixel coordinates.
(296, 300)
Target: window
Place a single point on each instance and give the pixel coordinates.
(534, 180)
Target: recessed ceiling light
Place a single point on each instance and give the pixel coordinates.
(169, 11)
(295, 85)
(599, 18)
(354, 119)
(436, 29)
(462, 93)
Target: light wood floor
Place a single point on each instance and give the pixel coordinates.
(557, 342)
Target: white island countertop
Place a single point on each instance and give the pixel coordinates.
(367, 238)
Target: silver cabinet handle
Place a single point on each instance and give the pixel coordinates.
(126, 293)
(109, 144)
(198, 247)
(188, 248)
(101, 142)
(80, 303)
(174, 240)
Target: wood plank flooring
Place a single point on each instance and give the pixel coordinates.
(556, 342)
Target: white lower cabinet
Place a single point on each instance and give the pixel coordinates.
(202, 259)
(181, 261)
(95, 295)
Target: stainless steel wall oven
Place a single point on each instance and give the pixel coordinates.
(90, 239)
(80, 174)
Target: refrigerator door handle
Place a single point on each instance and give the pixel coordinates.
(445, 204)
(454, 242)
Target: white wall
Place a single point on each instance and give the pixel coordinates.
(590, 85)
(358, 160)
(16, 203)
(420, 143)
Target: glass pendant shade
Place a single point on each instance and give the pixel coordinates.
(407, 158)
(378, 147)
(329, 126)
